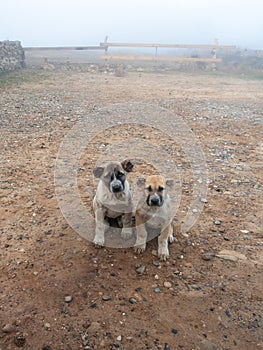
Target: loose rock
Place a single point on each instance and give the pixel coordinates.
(167, 284)
(141, 269)
(47, 326)
(132, 300)
(231, 255)
(68, 299)
(207, 256)
(8, 328)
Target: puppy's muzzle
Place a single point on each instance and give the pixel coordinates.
(116, 186)
(155, 200)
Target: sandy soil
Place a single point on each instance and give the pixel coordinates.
(58, 292)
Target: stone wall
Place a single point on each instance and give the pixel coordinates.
(12, 56)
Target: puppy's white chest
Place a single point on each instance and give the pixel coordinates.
(156, 220)
(114, 204)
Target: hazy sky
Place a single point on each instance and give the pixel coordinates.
(87, 22)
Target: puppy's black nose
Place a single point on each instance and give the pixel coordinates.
(154, 201)
(116, 188)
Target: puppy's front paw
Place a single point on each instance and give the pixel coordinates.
(126, 233)
(98, 242)
(140, 248)
(163, 254)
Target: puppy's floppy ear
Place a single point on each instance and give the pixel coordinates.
(140, 182)
(98, 171)
(169, 183)
(127, 165)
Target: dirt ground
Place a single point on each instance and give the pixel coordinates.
(58, 292)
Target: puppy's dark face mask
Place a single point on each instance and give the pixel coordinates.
(115, 180)
(154, 196)
(113, 175)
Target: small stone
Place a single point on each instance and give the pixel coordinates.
(203, 200)
(244, 231)
(68, 299)
(157, 290)
(141, 269)
(156, 277)
(8, 328)
(106, 298)
(228, 313)
(207, 256)
(196, 287)
(156, 263)
(217, 222)
(167, 284)
(174, 331)
(47, 326)
(63, 309)
(166, 346)
(231, 255)
(226, 238)
(132, 300)
(119, 338)
(209, 284)
(49, 196)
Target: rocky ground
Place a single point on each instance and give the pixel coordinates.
(58, 292)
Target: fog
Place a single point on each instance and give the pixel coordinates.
(87, 22)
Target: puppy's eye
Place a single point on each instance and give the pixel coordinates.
(160, 188)
(120, 174)
(149, 188)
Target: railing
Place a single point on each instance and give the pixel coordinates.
(214, 47)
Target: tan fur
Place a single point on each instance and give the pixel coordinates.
(157, 217)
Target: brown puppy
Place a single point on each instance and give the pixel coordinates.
(112, 199)
(154, 211)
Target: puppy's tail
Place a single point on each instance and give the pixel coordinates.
(91, 193)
